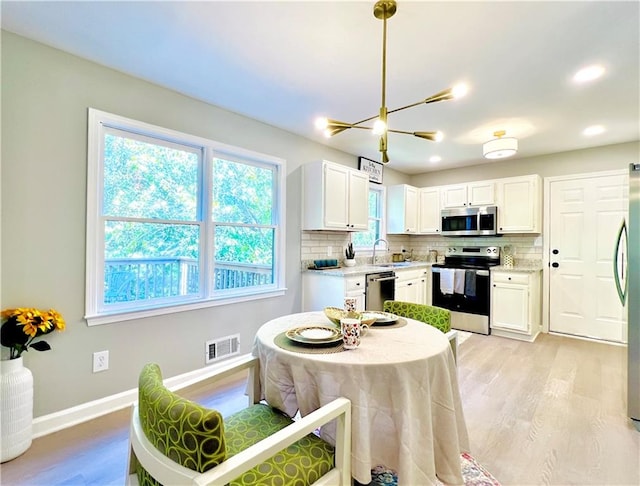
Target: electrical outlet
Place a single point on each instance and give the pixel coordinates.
(100, 361)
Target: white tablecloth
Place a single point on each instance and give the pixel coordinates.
(403, 386)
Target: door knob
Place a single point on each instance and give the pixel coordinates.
(555, 252)
(555, 264)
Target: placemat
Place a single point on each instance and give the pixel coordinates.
(282, 341)
(399, 323)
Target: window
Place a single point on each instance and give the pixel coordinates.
(364, 240)
(177, 222)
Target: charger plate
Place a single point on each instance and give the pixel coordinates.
(283, 342)
(314, 334)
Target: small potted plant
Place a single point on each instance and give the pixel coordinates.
(350, 255)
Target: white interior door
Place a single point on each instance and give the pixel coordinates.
(585, 216)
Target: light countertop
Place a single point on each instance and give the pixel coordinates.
(517, 268)
(365, 269)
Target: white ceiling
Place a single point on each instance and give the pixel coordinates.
(287, 62)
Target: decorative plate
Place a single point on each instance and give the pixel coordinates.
(314, 334)
(380, 317)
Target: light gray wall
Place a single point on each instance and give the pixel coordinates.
(609, 157)
(45, 96)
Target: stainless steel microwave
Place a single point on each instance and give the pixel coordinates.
(479, 221)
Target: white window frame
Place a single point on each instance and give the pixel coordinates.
(95, 314)
(382, 190)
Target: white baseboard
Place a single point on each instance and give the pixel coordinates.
(53, 422)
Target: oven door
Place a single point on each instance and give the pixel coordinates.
(470, 296)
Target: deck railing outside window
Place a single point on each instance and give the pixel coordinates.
(135, 279)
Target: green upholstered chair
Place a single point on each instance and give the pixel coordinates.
(176, 441)
(435, 316)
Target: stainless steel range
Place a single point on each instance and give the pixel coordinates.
(462, 285)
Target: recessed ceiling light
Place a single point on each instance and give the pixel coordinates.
(588, 73)
(593, 130)
(434, 159)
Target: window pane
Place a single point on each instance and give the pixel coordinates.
(366, 239)
(243, 257)
(146, 180)
(148, 261)
(242, 193)
(374, 204)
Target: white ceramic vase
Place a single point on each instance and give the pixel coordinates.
(349, 262)
(16, 400)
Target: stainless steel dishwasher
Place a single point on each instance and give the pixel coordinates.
(380, 286)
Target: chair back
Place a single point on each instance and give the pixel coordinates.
(185, 432)
(435, 316)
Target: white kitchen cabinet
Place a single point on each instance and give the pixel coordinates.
(410, 286)
(481, 193)
(426, 275)
(515, 304)
(335, 197)
(519, 201)
(429, 211)
(402, 209)
(323, 290)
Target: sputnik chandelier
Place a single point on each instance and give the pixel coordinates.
(383, 10)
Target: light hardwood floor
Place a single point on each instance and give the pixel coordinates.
(551, 412)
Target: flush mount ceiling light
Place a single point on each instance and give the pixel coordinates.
(383, 10)
(500, 148)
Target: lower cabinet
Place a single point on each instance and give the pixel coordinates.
(411, 286)
(320, 291)
(515, 304)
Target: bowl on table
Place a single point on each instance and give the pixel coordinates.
(334, 314)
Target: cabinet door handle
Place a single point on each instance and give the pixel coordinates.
(555, 264)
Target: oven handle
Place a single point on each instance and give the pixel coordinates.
(479, 273)
(382, 279)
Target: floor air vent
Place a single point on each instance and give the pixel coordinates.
(221, 348)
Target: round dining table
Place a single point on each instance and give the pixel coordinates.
(402, 382)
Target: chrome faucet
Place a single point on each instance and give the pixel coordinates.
(373, 260)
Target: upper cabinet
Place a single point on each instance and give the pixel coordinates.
(335, 197)
(402, 209)
(519, 201)
(429, 211)
(472, 194)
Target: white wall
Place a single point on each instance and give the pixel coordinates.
(45, 96)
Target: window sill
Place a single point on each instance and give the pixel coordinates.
(121, 316)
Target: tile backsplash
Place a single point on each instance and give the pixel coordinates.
(317, 245)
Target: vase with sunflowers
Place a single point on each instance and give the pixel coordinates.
(21, 330)
(22, 326)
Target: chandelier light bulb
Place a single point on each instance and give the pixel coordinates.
(322, 123)
(379, 127)
(459, 90)
(439, 137)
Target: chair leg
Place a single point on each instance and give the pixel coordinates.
(452, 336)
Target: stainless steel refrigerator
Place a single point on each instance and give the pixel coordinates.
(632, 295)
